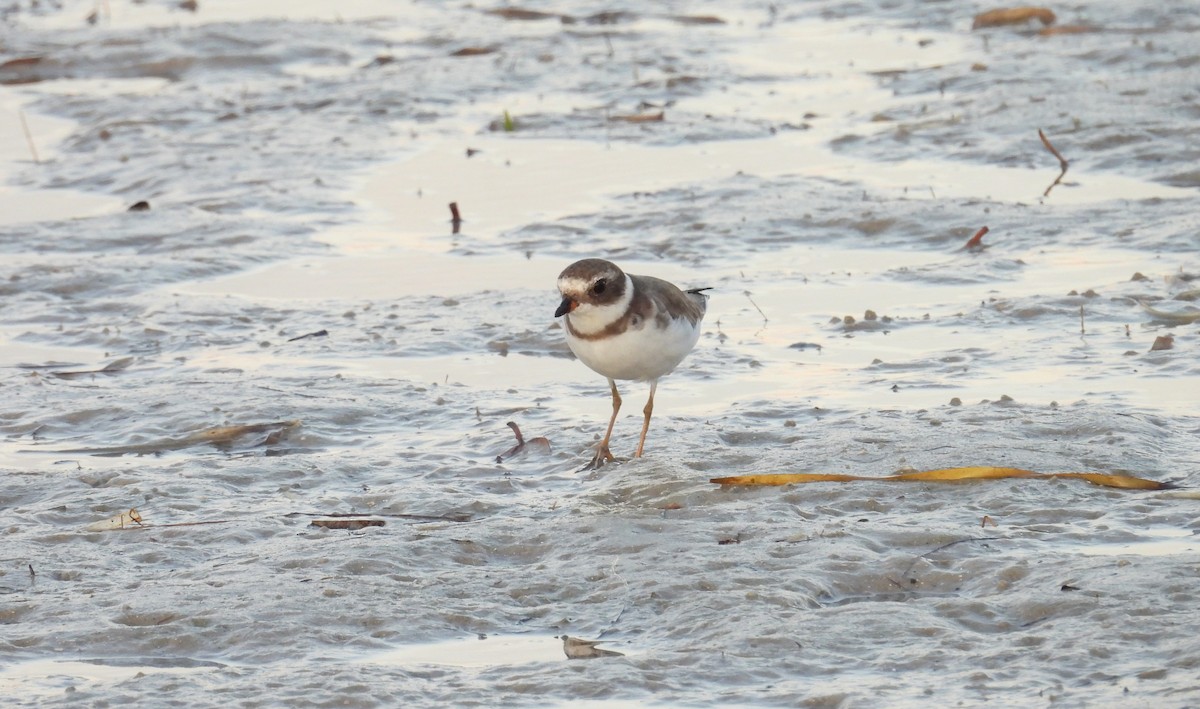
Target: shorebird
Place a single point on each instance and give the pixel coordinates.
(627, 327)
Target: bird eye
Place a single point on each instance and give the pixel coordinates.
(600, 286)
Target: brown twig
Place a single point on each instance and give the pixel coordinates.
(1013, 16)
(452, 517)
(29, 137)
(456, 219)
(1062, 162)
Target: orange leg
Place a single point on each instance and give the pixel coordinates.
(646, 425)
(603, 454)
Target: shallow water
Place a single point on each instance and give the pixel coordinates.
(813, 163)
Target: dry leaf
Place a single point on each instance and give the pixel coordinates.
(518, 13)
(350, 524)
(640, 117)
(698, 19)
(1013, 16)
(1126, 482)
(1163, 342)
(473, 51)
(20, 62)
(1067, 29)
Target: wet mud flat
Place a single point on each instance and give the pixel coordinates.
(293, 333)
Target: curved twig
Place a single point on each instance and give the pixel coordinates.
(1062, 162)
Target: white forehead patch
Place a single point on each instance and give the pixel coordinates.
(571, 284)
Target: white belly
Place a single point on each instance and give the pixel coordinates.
(641, 354)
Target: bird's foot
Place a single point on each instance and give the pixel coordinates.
(603, 455)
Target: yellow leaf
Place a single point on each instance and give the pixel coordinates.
(1125, 482)
(974, 473)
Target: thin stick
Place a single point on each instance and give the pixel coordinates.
(392, 515)
(1062, 162)
(456, 219)
(947, 546)
(760, 312)
(1081, 330)
(318, 333)
(28, 137)
(175, 524)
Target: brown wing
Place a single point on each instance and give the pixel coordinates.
(666, 299)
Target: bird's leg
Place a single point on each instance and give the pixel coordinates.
(646, 425)
(603, 454)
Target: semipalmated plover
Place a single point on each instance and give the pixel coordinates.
(627, 327)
